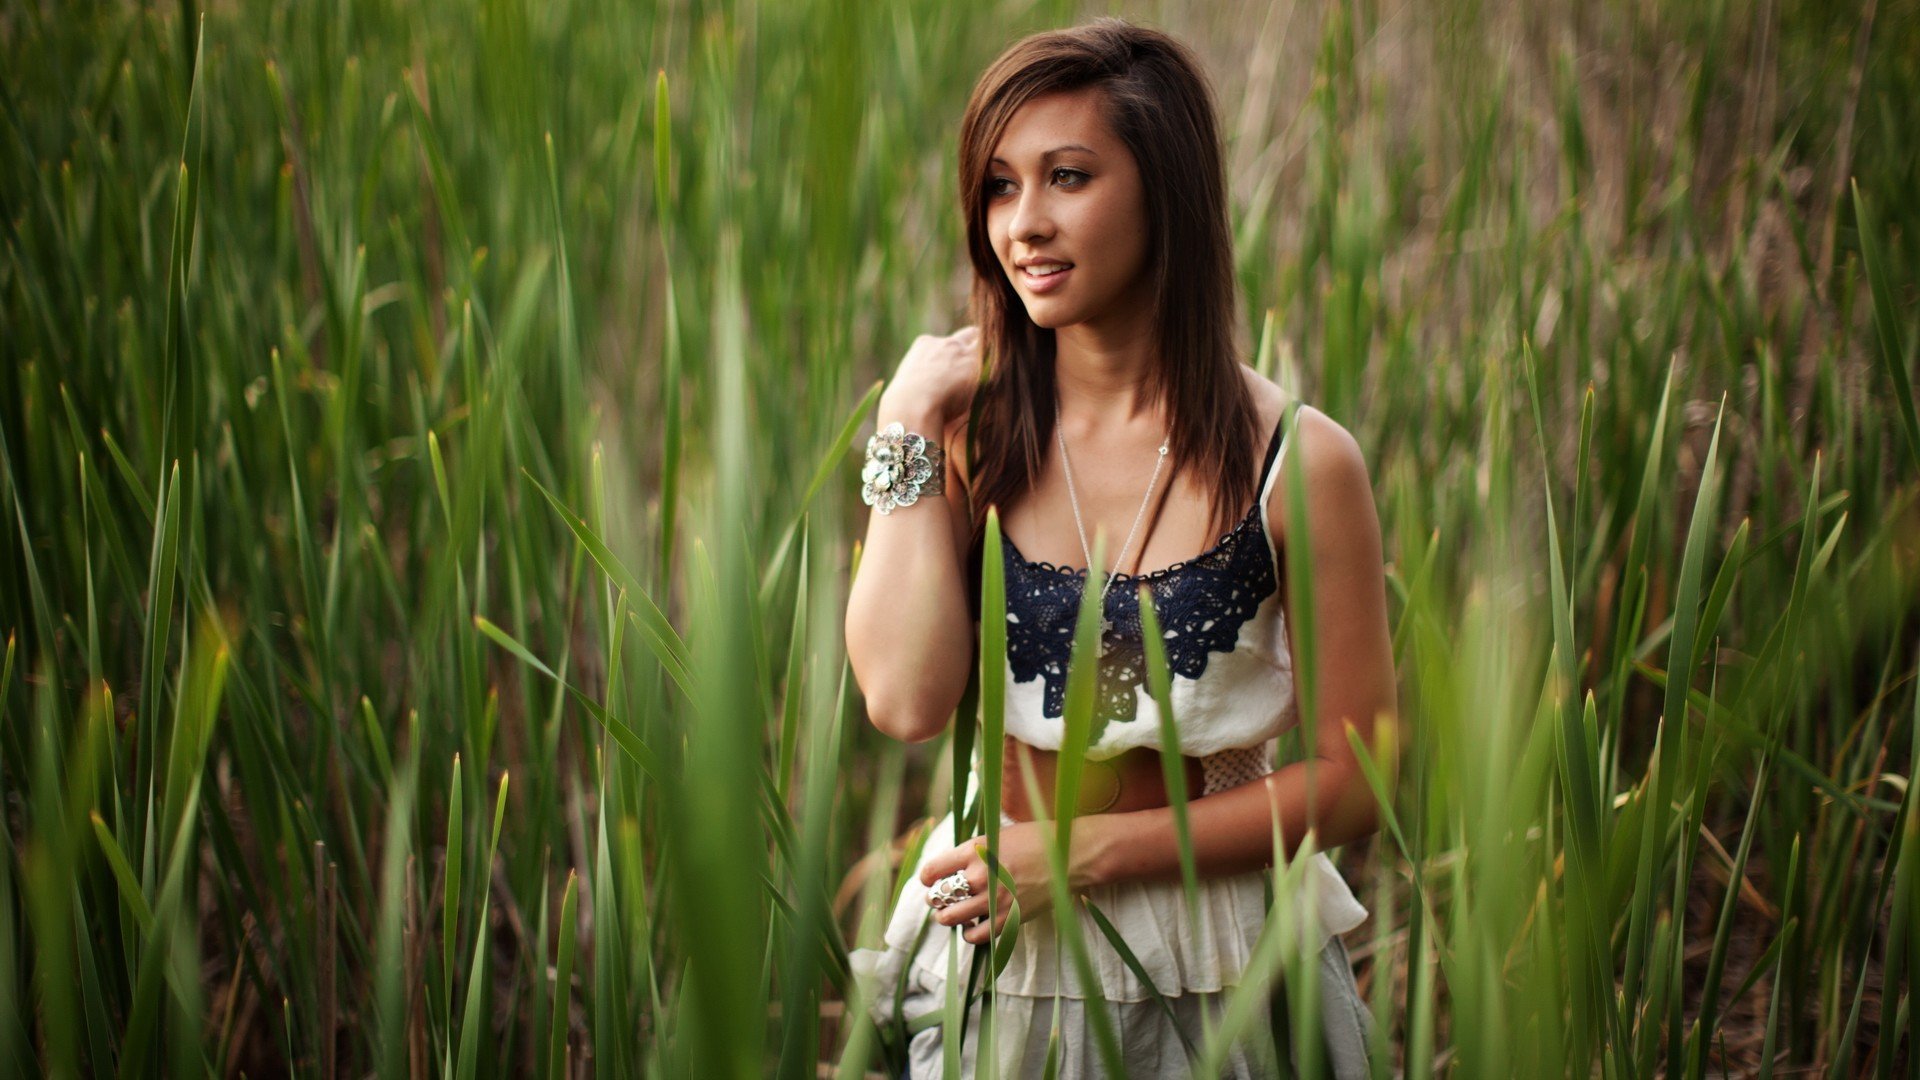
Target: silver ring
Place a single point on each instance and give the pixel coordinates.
(949, 890)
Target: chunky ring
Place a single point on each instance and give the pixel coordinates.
(901, 467)
(949, 890)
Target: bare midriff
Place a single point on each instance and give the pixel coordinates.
(1134, 780)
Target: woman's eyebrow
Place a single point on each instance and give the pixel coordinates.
(1070, 148)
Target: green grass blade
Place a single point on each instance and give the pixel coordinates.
(1903, 935)
(1079, 720)
(795, 673)
(1273, 951)
(993, 729)
(1707, 1020)
(652, 620)
(130, 893)
(1139, 972)
(556, 1055)
(832, 463)
(1893, 359)
(451, 889)
(1172, 764)
(1684, 656)
(622, 734)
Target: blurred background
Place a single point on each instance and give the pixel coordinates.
(428, 442)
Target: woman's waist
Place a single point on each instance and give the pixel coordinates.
(1134, 779)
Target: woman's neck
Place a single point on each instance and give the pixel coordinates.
(1106, 373)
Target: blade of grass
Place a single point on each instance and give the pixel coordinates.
(1083, 672)
(563, 979)
(1172, 763)
(622, 734)
(1139, 972)
(651, 618)
(451, 888)
(1788, 921)
(130, 893)
(1706, 1021)
(1893, 359)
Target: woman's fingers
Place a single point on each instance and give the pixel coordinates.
(950, 860)
(983, 933)
(964, 911)
(969, 913)
(970, 916)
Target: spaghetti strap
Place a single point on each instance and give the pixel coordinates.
(1274, 446)
(1274, 449)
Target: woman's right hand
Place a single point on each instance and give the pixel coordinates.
(938, 374)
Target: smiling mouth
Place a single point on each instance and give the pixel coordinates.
(1045, 277)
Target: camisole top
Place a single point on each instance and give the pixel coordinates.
(1223, 623)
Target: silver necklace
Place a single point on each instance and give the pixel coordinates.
(1106, 624)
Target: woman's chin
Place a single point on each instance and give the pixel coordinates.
(1049, 316)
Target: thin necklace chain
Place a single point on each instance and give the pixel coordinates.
(1121, 560)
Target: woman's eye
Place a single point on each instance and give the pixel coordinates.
(999, 185)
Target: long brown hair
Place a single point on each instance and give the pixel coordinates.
(1157, 101)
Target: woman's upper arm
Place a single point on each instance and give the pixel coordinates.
(1353, 677)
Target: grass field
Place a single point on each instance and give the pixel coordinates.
(428, 444)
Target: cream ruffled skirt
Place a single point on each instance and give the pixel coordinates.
(1193, 970)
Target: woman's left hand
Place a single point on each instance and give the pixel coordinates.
(1023, 857)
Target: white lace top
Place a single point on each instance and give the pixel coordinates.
(1226, 641)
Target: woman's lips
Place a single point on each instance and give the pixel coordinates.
(1045, 283)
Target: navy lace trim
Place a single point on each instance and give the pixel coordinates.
(1202, 603)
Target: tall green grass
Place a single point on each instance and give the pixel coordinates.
(425, 451)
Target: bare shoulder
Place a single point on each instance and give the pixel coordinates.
(1339, 487)
(1330, 452)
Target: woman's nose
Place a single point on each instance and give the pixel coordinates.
(1030, 220)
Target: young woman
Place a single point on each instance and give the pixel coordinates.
(1115, 403)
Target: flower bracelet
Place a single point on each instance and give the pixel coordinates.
(901, 467)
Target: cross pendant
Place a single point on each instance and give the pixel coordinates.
(1106, 627)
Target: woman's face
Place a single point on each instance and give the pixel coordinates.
(1063, 191)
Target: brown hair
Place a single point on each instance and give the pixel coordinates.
(1158, 102)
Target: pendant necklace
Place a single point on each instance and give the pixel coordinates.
(1106, 624)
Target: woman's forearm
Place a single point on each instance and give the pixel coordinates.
(1232, 830)
(908, 632)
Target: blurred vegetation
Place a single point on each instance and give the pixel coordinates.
(427, 454)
